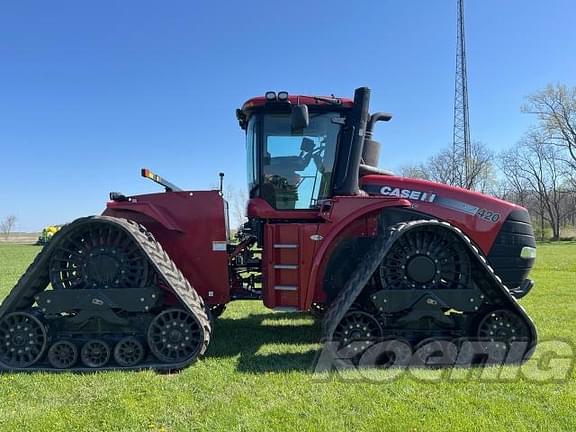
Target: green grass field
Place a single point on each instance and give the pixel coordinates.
(256, 376)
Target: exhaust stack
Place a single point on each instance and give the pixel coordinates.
(349, 159)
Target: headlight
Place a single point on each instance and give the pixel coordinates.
(528, 252)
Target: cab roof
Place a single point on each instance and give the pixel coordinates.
(282, 102)
(312, 101)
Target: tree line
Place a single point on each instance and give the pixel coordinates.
(538, 172)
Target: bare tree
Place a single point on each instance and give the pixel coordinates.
(440, 168)
(515, 186)
(555, 108)
(534, 168)
(482, 176)
(7, 225)
(415, 171)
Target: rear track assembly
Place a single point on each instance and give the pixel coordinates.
(117, 302)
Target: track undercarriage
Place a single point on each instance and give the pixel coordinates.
(102, 294)
(424, 281)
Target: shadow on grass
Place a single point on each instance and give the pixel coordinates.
(244, 337)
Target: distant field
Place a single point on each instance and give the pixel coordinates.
(20, 238)
(256, 376)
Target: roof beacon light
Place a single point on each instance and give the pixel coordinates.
(283, 96)
(270, 96)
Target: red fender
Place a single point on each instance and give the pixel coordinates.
(146, 208)
(335, 230)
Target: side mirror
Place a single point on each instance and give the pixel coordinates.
(299, 118)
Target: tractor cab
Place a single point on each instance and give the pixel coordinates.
(302, 150)
(291, 146)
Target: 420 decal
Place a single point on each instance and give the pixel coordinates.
(488, 215)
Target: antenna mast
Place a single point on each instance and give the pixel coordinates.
(461, 152)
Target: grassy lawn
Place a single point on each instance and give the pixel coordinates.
(256, 376)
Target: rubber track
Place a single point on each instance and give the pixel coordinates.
(36, 279)
(360, 277)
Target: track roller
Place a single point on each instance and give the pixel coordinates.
(63, 355)
(129, 352)
(95, 353)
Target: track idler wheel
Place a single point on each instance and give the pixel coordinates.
(501, 328)
(63, 355)
(129, 352)
(95, 353)
(175, 336)
(22, 340)
(356, 332)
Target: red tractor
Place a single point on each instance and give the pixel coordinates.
(377, 255)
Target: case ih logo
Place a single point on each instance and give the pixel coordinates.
(408, 194)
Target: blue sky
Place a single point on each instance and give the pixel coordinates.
(90, 92)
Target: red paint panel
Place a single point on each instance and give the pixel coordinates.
(188, 225)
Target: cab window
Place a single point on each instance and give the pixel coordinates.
(297, 165)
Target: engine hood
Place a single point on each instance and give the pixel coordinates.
(479, 215)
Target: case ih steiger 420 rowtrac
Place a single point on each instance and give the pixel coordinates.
(380, 256)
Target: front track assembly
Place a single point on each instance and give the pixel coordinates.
(424, 281)
(117, 301)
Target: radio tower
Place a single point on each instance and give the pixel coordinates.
(461, 134)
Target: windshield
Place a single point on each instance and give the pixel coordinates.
(296, 166)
